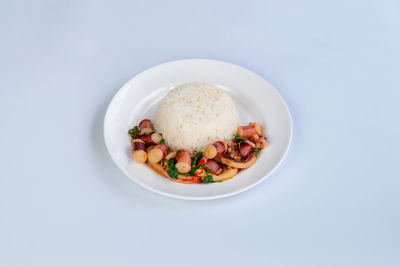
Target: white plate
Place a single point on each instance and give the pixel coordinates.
(255, 99)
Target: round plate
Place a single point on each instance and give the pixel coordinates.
(255, 99)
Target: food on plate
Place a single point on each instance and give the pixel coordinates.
(194, 115)
(156, 153)
(183, 161)
(196, 137)
(218, 162)
(249, 130)
(216, 149)
(139, 153)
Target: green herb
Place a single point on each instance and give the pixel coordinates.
(255, 150)
(173, 172)
(195, 168)
(134, 132)
(208, 179)
(195, 160)
(199, 155)
(162, 141)
(239, 139)
(164, 166)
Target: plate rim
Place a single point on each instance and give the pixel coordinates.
(176, 196)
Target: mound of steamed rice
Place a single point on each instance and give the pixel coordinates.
(194, 115)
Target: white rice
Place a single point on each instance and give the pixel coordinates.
(194, 115)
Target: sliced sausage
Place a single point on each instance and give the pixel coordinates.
(156, 154)
(215, 150)
(245, 149)
(213, 166)
(139, 153)
(152, 139)
(146, 123)
(157, 138)
(147, 139)
(183, 161)
(249, 130)
(146, 127)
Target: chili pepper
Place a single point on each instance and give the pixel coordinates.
(199, 171)
(202, 161)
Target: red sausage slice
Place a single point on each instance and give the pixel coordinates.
(249, 130)
(215, 150)
(213, 166)
(156, 154)
(183, 161)
(139, 153)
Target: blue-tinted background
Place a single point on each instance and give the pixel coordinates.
(333, 202)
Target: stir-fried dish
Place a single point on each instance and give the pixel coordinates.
(218, 162)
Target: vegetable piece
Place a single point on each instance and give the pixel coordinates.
(198, 155)
(262, 142)
(249, 130)
(250, 143)
(208, 179)
(156, 153)
(139, 153)
(170, 155)
(213, 166)
(134, 132)
(240, 165)
(184, 160)
(239, 139)
(180, 178)
(228, 173)
(200, 170)
(195, 170)
(214, 150)
(255, 151)
(172, 171)
(197, 164)
(202, 161)
(193, 180)
(195, 161)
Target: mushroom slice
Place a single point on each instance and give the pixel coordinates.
(240, 165)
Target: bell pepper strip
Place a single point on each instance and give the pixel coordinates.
(199, 171)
